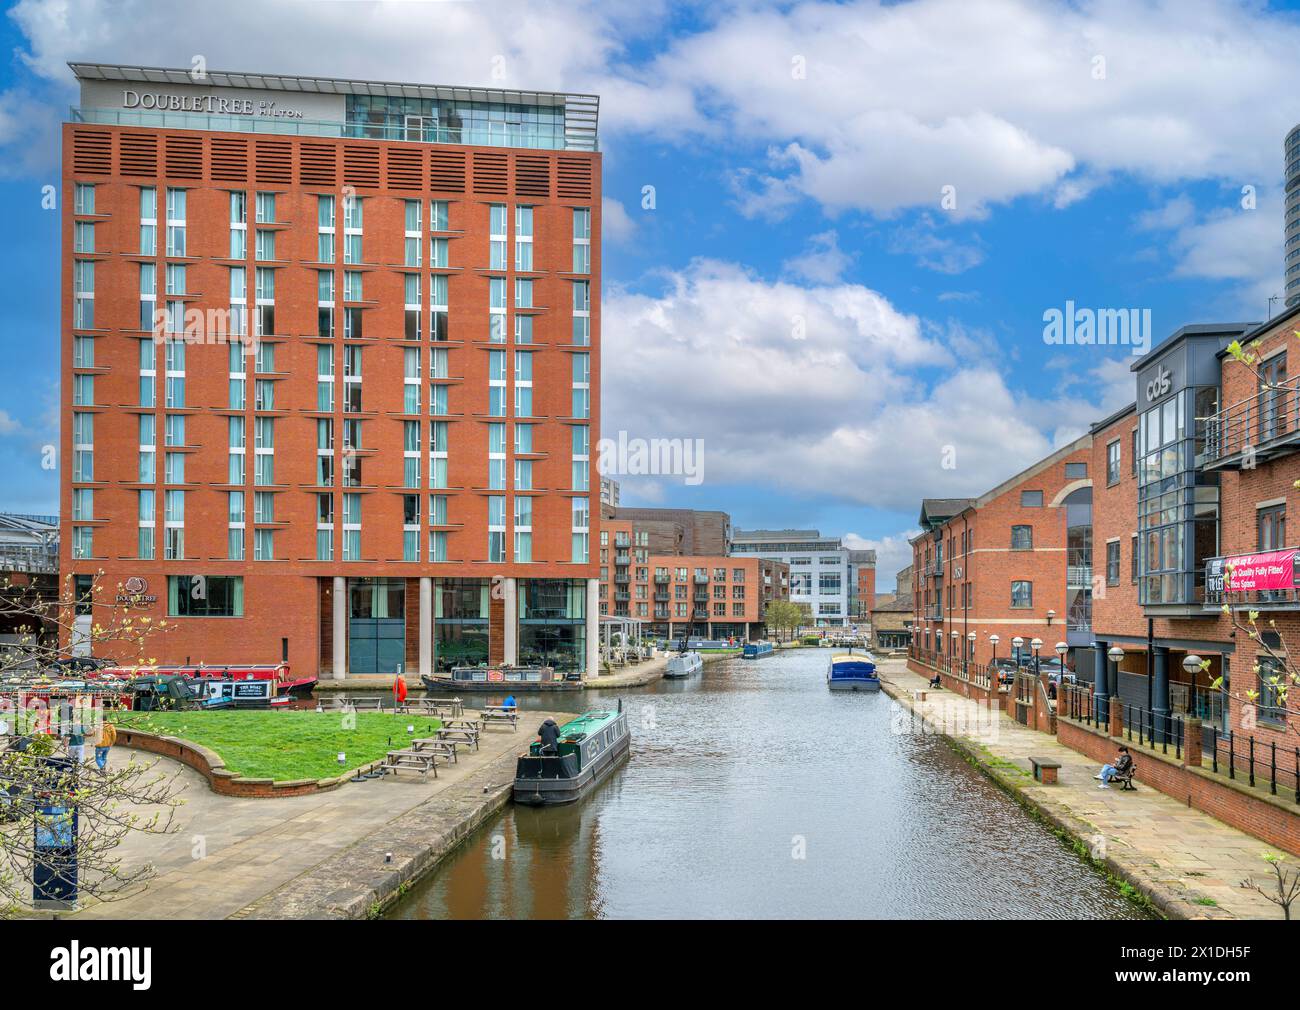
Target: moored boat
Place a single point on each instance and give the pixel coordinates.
(590, 747)
(516, 678)
(684, 664)
(757, 650)
(850, 672)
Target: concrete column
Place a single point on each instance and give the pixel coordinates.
(1099, 679)
(426, 627)
(340, 661)
(1160, 689)
(510, 628)
(593, 628)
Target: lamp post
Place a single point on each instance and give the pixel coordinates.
(1192, 664)
(1115, 654)
(1051, 616)
(1016, 644)
(1036, 644)
(970, 638)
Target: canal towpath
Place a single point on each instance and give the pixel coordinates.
(1189, 865)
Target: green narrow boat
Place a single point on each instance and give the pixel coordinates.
(589, 749)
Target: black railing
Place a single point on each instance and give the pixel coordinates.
(1257, 761)
(1162, 731)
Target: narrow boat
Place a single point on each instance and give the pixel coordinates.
(516, 678)
(757, 650)
(849, 672)
(589, 749)
(684, 664)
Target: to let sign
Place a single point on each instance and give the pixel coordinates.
(1253, 572)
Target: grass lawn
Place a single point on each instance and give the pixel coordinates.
(288, 745)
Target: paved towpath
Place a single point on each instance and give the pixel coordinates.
(230, 853)
(1190, 863)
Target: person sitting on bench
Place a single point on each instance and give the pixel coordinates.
(1120, 768)
(935, 682)
(549, 731)
(510, 705)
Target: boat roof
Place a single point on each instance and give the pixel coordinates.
(589, 722)
(853, 657)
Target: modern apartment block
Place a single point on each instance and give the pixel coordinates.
(825, 576)
(669, 569)
(331, 359)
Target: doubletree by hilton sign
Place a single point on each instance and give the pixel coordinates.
(206, 104)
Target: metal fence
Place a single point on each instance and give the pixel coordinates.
(1241, 756)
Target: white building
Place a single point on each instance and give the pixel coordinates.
(822, 573)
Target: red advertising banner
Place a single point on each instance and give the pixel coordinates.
(1268, 570)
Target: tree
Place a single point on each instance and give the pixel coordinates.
(1286, 884)
(782, 615)
(37, 774)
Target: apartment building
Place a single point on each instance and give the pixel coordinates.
(660, 567)
(825, 577)
(331, 359)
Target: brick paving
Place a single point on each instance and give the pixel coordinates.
(1188, 862)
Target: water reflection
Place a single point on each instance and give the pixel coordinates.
(753, 791)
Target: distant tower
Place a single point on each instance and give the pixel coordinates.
(1291, 251)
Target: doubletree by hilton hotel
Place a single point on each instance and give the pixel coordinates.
(333, 346)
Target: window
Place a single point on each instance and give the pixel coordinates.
(1022, 538)
(1272, 680)
(1112, 463)
(1271, 526)
(1133, 454)
(1076, 471)
(1022, 595)
(1133, 560)
(205, 596)
(1031, 499)
(1112, 563)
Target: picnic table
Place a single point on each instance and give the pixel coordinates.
(445, 749)
(500, 713)
(454, 706)
(466, 734)
(360, 703)
(410, 760)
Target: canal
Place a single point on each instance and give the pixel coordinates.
(752, 791)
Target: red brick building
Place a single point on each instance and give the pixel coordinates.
(331, 359)
(647, 574)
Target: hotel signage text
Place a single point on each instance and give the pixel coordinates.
(206, 104)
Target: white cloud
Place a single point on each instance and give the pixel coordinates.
(869, 407)
(822, 261)
(932, 251)
(999, 99)
(616, 226)
(893, 554)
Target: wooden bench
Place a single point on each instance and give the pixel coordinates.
(1045, 770)
(1125, 779)
(453, 706)
(410, 760)
(360, 703)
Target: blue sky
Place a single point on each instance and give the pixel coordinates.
(799, 296)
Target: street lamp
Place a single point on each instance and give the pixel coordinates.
(1192, 664)
(1017, 644)
(1036, 644)
(1051, 615)
(970, 638)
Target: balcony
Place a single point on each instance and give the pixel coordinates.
(622, 597)
(622, 558)
(622, 577)
(1254, 430)
(1267, 580)
(662, 578)
(701, 580)
(934, 613)
(662, 597)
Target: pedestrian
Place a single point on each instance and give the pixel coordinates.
(549, 731)
(510, 704)
(107, 737)
(1121, 766)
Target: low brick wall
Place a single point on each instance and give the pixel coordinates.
(1240, 806)
(221, 780)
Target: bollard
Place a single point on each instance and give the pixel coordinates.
(1116, 718)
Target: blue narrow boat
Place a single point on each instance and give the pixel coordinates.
(757, 650)
(848, 672)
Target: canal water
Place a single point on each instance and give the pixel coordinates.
(752, 791)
